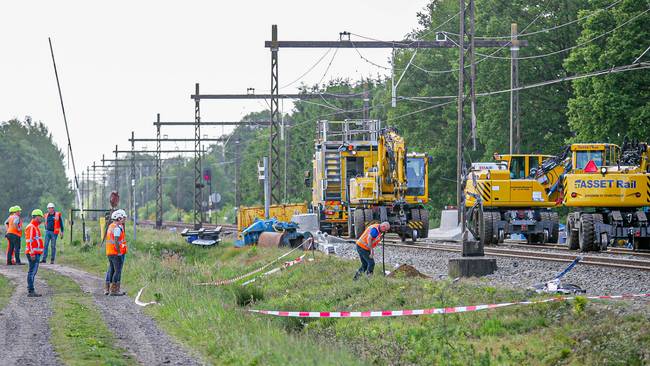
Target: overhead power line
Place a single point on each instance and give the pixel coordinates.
(568, 48)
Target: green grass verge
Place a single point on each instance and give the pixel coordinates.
(79, 335)
(6, 290)
(211, 320)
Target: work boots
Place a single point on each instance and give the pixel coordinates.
(115, 290)
(107, 288)
(33, 294)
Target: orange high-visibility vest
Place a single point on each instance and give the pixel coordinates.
(57, 222)
(115, 246)
(12, 228)
(365, 241)
(33, 240)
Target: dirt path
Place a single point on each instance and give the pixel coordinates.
(134, 330)
(25, 323)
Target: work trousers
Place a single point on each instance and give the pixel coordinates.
(108, 271)
(367, 263)
(50, 236)
(115, 268)
(14, 248)
(31, 273)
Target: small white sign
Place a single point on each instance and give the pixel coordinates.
(537, 196)
(495, 188)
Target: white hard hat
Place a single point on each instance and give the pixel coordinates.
(118, 214)
(50, 205)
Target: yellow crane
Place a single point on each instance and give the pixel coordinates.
(362, 174)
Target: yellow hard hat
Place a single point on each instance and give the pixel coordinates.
(37, 212)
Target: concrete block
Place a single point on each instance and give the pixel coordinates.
(471, 266)
(448, 219)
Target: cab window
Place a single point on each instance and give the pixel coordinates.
(517, 167)
(583, 157)
(533, 164)
(415, 176)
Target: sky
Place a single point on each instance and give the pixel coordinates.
(121, 62)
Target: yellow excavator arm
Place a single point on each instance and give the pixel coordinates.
(392, 161)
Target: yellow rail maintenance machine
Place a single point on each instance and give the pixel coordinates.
(363, 174)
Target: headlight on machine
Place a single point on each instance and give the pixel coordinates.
(603, 170)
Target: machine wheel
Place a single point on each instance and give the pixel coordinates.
(359, 223)
(598, 219)
(424, 217)
(415, 216)
(486, 228)
(555, 232)
(571, 235)
(586, 232)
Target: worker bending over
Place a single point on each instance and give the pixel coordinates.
(53, 227)
(33, 249)
(116, 248)
(366, 247)
(14, 226)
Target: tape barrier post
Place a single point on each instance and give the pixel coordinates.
(431, 311)
(251, 273)
(383, 262)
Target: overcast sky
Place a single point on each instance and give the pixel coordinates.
(121, 62)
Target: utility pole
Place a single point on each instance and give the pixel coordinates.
(287, 143)
(132, 186)
(366, 101)
(96, 192)
(237, 162)
(117, 179)
(273, 127)
(159, 203)
(198, 183)
(515, 136)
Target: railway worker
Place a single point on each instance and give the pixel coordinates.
(53, 228)
(33, 249)
(366, 247)
(14, 226)
(116, 248)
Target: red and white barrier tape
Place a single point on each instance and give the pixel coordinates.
(276, 269)
(449, 310)
(235, 279)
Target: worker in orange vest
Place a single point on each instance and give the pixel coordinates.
(116, 248)
(53, 227)
(366, 247)
(14, 226)
(33, 249)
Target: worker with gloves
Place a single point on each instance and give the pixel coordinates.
(33, 249)
(366, 245)
(14, 226)
(53, 227)
(116, 248)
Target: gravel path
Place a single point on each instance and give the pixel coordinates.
(134, 330)
(518, 273)
(25, 323)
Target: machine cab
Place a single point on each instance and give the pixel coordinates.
(521, 166)
(588, 158)
(417, 183)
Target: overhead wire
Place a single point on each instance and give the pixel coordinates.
(568, 48)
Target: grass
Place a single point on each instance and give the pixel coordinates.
(211, 320)
(79, 335)
(6, 290)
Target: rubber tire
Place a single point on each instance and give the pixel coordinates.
(555, 233)
(598, 218)
(586, 232)
(486, 231)
(415, 216)
(571, 236)
(359, 225)
(424, 217)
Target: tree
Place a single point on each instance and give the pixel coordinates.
(607, 108)
(32, 166)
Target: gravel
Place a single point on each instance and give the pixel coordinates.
(516, 273)
(24, 323)
(134, 330)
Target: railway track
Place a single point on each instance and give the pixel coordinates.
(535, 255)
(611, 250)
(184, 225)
